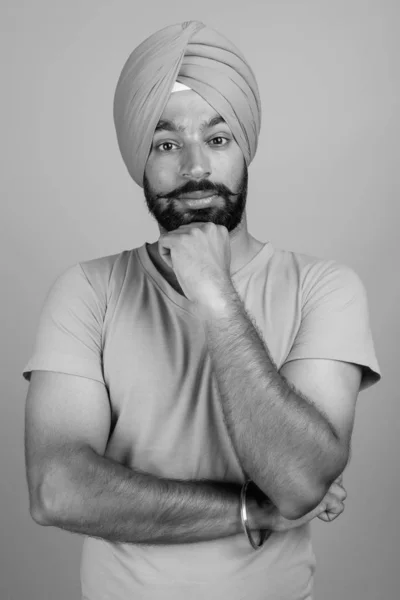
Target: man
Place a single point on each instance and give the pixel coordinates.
(167, 376)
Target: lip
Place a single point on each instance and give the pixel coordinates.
(200, 202)
(197, 195)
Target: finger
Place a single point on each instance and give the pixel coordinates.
(332, 513)
(323, 516)
(331, 504)
(335, 511)
(326, 518)
(341, 493)
(344, 494)
(337, 491)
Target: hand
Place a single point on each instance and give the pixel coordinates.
(332, 504)
(200, 255)
(264, 515)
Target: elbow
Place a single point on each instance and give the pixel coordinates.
(303, 491)
(311, 490)
(299, 501)
(41, 506)
(46, 501)
(296, 508)
(38, 514)
(296, 502)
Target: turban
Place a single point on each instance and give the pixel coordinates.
(194, 55)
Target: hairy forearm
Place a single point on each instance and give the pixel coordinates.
(283, 442)
(92, 495)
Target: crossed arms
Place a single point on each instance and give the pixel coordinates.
(300, 418)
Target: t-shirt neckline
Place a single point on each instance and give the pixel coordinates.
(252, 266)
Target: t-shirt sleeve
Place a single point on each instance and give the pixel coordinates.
(335, 321)
(69, 333)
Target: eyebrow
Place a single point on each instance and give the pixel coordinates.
(165, 125)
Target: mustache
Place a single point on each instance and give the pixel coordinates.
(199, 186)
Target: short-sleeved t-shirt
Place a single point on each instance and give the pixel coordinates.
(116, 319)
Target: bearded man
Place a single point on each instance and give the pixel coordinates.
(192, 400)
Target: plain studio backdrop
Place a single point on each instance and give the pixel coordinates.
(325, 181)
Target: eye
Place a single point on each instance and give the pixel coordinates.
(219, 141)
(165, 147)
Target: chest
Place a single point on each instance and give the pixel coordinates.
(166, 409)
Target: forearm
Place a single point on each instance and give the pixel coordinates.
(283, 442)
(95, 496)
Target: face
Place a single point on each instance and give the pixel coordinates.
(195, 170)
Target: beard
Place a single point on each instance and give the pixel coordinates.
(170, 218)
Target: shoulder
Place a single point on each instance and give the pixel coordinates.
(103, 269)
(100, 276)
(317, 275)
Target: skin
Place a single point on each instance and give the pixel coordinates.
(188, 153)
(72, 485)
(197, 155)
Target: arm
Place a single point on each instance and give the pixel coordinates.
(293, 444)
(98, 497)
(72, 486)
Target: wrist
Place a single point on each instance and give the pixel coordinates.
(263, 534)
(260, 514)
(255, 518)
(220, 302)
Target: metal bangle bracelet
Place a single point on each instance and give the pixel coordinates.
(243, 516)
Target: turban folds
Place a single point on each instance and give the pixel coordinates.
(198, 57)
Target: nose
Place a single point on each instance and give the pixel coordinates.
(195, 163)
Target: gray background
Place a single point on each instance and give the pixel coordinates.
(324, 181)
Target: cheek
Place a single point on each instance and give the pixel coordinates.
(159, 176)
(230, 169)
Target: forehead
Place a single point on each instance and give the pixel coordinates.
(187, 107)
